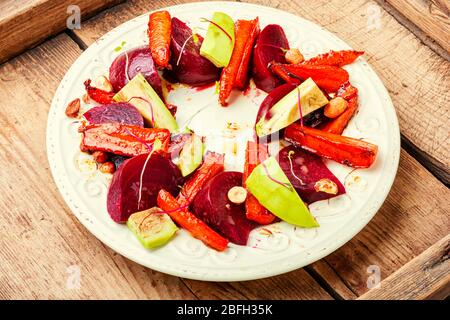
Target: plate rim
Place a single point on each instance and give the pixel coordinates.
(237, 274)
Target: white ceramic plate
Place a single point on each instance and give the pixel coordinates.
(287, 248)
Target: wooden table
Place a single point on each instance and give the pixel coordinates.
(408, 239)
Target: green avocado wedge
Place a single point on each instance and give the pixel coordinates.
(191, 156)
(218, 44)
(286, 111)
(272, 188)
(140, 94)
(151, 227)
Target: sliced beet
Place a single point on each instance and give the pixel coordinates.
(139, 61)
(213, 207)
(124, 113)
(309, 168)
(269, 48)
(123, 194)
(192, 68)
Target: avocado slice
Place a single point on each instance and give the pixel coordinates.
(272, 189)
(217, 46)
(151, 227)
(191, 156)
(285, 111)
(140, 93)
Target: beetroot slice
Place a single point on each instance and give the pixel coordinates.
(192, 68)
(213, 207)
(123, 194)
(269, 48)
(139, 61)
(123, 113)
(310, 169)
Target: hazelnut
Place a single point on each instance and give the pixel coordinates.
(326, 185)
(237, 195)
(100, 156)
(73, 108)
(107, 167)
(335, 107)
(294, 56)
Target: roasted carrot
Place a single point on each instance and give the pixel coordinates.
(349, 151)
(329, 78)
(212, 165)
(335, 58)
(254, 155)
(242, 74)
(98, 95)
(190, 222)
(229, 73)
(337, 125)
(123, 139)
(347, 91)
(159, 31)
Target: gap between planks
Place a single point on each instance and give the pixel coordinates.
(415, 29)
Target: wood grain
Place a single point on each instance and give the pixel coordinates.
(413, 217)
(425, 277)
(415, 207)
(40, 236)
(416, 77)
(431, 16)
(25, 23)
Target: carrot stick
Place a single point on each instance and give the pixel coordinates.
(123, 139)
(329, 78)
(242, 74)
(349, 151)
(228, 76)
(212, 165)
(254, 155)
(159, 31)
(335, 58)
(190, 222)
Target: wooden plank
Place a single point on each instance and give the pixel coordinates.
(431, 16)
(37, 223)
(425, 277)
(41, 239)
(293, 285)
(420, 93)
(21, 22)
(414, 217)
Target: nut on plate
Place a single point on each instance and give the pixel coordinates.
(335, 107)
(107, 167)
(237, 194)
(326, 185)
(100, 156)
(73, 108)
(294, 56)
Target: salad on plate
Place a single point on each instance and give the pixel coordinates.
(164, 177)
